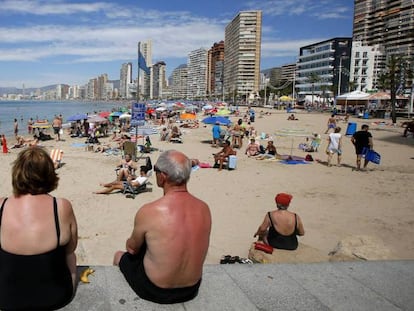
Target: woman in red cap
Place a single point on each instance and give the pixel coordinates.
(281, 227)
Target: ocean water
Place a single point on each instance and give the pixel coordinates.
(41, 110)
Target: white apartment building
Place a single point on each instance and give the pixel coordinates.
(367, 63)
(179, 82)
(197, 74)
(125, 81)
(242, 48)
(159, 80)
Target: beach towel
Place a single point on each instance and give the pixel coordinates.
(56, 155)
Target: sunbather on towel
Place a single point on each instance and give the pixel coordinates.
(120, 185)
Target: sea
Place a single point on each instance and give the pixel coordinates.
(46, 110)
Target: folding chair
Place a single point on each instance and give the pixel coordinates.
(56, 155)
(132, 191)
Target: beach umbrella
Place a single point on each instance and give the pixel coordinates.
(77, 117)
(104, 114)
(292, 133)
(207, 107)
(125, 116)
(160, 109)
(97, 119)
(144, 130)
(115, 114)
(285, 98)
(188, 116)
(215, 119)
(223, 112)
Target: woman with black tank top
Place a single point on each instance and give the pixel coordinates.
(38, 238)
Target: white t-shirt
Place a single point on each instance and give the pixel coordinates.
(334, 139)
(140, 179)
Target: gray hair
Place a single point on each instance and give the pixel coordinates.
(178, 172)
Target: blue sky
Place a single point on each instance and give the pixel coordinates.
(71, 41)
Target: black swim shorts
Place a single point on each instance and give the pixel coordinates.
(132, 267)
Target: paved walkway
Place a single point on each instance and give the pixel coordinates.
(373, 285)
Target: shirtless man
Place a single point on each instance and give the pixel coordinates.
(158, 267)
(57, 125)
(223, 155)
(331, 123)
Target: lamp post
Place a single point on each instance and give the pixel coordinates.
(340, 76)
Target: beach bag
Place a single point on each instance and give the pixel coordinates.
(263, 247)
(308, 158)
(371, 155)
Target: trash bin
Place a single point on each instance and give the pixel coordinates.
(351, 129)
(366, 115)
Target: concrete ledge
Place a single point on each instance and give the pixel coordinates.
(374, 285)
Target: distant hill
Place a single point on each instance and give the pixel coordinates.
(15, 90)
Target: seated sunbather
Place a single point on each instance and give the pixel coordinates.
(175, 133)
(292, 118)
(253, 148)
(120, 185)
(270, 152)
(126, 167)
(223, 155)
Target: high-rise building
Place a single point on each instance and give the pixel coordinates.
(145, 82)
(197, 74)
(385, 22)
(215, 71)
(179, 82)
(323, 68)
(159, 80)
(242, 46)
(125, 81)
(367, 64)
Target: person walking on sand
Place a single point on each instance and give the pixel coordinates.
(57, 126)
(362, 139)
(331, 123)
(334, 145)
(158, 267)
(16, 128)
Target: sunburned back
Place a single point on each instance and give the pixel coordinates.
(178, 241)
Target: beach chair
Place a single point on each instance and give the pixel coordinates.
(56, 155)
(131, 191)
(130, 147)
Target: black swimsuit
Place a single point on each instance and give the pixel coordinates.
(280, 241)
(35, 282)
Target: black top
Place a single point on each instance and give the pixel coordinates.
(35, 282)
(280, 241)
(361, 140)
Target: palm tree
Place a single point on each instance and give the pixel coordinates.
(313, 78)
(392, 77)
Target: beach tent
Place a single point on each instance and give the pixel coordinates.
(355, 98)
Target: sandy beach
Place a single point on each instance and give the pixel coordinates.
(335, 203)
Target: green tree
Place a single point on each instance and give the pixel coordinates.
(395, 77)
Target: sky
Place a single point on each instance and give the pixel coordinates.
(45, 42)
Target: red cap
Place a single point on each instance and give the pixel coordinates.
(283, 199)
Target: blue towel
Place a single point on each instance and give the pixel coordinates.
(78, 145)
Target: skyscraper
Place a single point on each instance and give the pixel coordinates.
(215, 71)
(389, 23)
(125, 81)
(197, 74)
(242, 46)
(145, 79)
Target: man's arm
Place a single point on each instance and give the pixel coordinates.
(135, 241)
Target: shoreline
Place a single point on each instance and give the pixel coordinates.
(335, 203)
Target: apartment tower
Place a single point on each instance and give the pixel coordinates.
(125, 81)
(215, 72)
(197, 74)
(242, 46)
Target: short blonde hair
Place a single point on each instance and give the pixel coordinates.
(33, 172)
